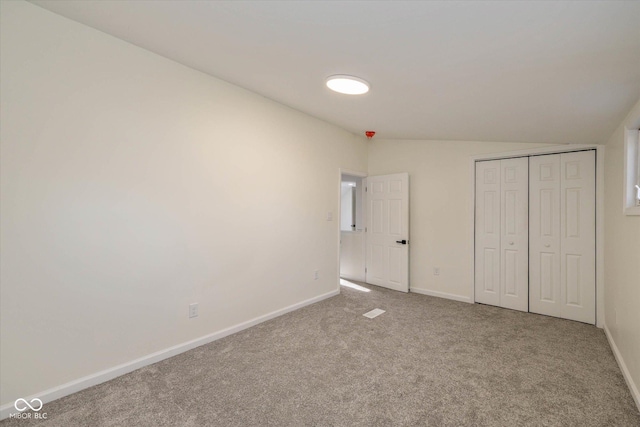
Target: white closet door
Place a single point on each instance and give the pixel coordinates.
(487, 246)
(514, 239)
(562, 236)
(544, 235)
(578, 227)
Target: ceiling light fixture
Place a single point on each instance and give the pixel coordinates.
(349, 85)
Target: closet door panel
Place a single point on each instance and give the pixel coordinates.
(514, 241)
(578, 224)
(487, 233)
(544, 235)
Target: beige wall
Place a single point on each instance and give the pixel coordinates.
(441, 190)
(133, 186)
(622, 257)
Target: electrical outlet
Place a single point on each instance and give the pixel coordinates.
(316, 275)
(436, 271)
(193, 310)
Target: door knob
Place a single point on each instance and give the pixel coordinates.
(547, 245)
(511, 243)
(404, 242)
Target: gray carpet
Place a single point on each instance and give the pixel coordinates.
(425, 362)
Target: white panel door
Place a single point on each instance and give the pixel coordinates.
(388, 231)
(544, 235)
(487, 233)
(514, 234)
(562, 236)
(578, 227)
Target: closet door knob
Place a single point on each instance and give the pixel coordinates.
(511, 243)
(547, 245)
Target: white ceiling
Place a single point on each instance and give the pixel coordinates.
(561, 72)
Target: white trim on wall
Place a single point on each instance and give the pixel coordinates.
(111, 373)
(600, 151)
(631, 172)
(445, 295)
(623, 367)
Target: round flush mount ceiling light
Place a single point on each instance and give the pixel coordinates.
(349, 85)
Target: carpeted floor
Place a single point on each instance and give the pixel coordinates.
(425, 362)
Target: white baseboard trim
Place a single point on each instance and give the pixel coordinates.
(111, 373)
(623, 367)
(441, 295)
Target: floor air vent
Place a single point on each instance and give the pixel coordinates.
(373, 313)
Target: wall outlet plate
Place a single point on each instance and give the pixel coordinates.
(193, 310)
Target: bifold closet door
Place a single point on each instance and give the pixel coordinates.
(502, 261)
(562, 236)
(514, 233)
(544, 236)
(487, 250)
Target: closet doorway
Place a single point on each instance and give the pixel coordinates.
(535, 234)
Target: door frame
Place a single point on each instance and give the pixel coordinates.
(363, 175)
(555, 149)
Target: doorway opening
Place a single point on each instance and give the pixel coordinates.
(352, 228)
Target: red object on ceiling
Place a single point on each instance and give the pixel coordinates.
(369, 134)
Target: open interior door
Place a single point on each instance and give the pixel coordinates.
(387, 233)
